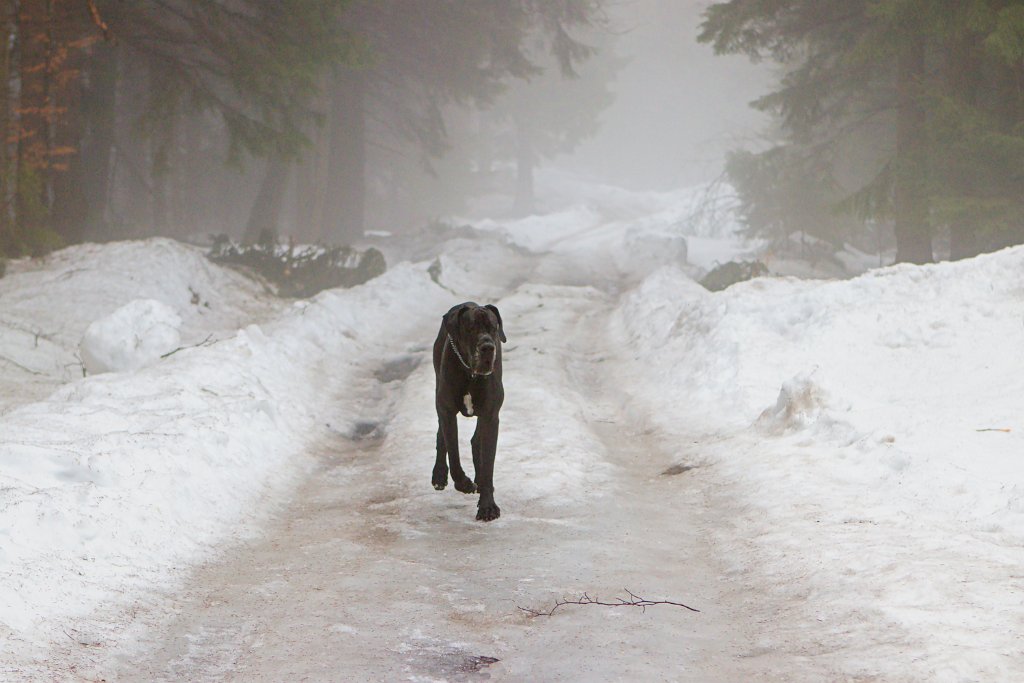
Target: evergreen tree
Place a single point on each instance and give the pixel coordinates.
(553, 111)
(46, 42)
(253, 65)
(421, 57)
(923, 90)
(975, 133)
(841, 74)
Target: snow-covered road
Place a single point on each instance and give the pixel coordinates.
(373, 575)
(829, 471)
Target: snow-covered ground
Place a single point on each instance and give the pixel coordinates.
(843, 455)
(47, 305)
(870, 431)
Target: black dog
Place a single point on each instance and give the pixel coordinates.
(467, 367)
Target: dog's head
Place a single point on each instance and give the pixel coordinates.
(476, 331)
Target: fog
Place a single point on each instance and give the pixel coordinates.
(356, 116)
(678, 108)
(651, 109)
(241, 401)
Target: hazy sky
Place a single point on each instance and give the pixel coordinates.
(679, 107)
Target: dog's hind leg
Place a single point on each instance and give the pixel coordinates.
(439, 478)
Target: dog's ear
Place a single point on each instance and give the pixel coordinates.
(501, 328)
(451, 319)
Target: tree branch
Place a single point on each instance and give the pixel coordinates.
(585, 599)
(205, 342)
(97, 19)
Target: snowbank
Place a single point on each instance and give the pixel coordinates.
(116, 482)
(871, 431)
(598, 234)
(135, 335)
(864, 435)
(49, 303)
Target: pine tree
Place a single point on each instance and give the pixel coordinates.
(43, 69)
(421, 57)
(975, 131)
(253, 65)
(552, 112)
(929, 88)
(841, 75)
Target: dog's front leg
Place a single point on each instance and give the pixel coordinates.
(487, 430)
(439, 477)
(450, 433)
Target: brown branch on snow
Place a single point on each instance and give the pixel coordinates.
(18, 365)
(585, 599)
(205, 342)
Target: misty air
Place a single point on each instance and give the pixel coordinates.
(511, 340)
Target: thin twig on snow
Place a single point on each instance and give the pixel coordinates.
(585, 599)
(205, 342)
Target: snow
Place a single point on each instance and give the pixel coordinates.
(857, 441)
(868, 430)
(116, 481)
(48, 304)
(854, 419)
(135, 335)
(603, 233)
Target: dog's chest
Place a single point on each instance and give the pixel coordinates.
(469, 399)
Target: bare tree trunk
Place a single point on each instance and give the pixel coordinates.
(526, 159)
(159, 177)
(312, 178)
(8, 95)
(913, 231)
(265, 218)
(963, 67)
(81, 192)
(31, 130)
(344, 214)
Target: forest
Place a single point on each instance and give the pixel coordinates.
(176, 117)
(895, 119)
(895, 123)
(749, 278)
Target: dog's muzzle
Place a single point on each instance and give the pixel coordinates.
(483, 359)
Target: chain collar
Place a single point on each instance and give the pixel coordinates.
(458, 355)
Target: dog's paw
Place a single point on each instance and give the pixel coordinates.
(465, 484)
(488, 513)
(439, 479)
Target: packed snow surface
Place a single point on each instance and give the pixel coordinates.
(857, 442)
